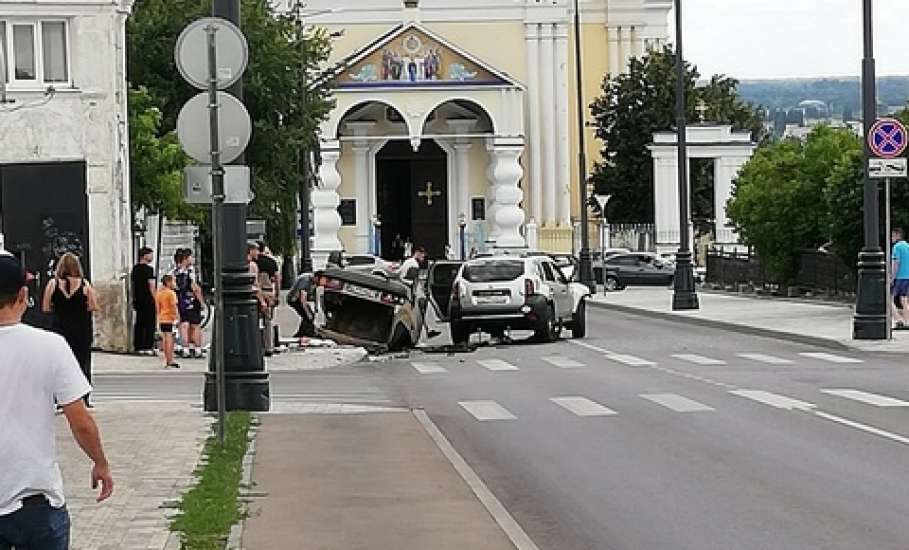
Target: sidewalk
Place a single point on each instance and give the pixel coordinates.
(362, 482)
(816, 323)
(153, 450)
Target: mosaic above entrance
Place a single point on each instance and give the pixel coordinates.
(414, 58)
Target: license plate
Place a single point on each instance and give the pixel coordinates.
(361, 292)
(492, 299)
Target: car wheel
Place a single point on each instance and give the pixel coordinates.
(548, 330)
(612, 283)
(460, 333)
(579, 321)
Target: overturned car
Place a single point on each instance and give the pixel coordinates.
(370, 310)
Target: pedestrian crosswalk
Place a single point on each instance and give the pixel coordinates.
(581, 406)
(563, 362)
(677, 403)
(497, 365)
(698, 359)
(869, 398)
(764, 358)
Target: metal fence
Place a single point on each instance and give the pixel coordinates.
(633, 236)
(817, 272)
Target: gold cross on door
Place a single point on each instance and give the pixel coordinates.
(429, 193)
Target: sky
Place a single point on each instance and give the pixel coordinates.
(792, 38)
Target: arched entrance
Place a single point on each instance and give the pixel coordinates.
(412, 197)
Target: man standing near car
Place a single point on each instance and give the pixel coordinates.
(270, 285)
(410, 269)
(37, 370)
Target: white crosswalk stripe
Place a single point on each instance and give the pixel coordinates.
(629, 360)
(497, 365)
(763, 358)
(428, 368)
(869, 398)
(832, 358)
(581, 406)
(698, 359)
(774, 400)
(677, 403)
(487, 410)
(563, 362)
(591, 347)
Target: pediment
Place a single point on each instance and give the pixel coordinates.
(412, 56)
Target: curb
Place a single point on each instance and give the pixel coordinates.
(830, 343)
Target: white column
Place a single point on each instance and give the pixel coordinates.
(508, 173)
(615, 47)
(549, 141)
(492, 207)
(461, 174)
(666, 201)
(325, 202)
(361, 173)
(626, 47)
(563, 149)
(533, 100)
(725, 170)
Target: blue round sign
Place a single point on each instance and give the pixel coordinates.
(887, 138)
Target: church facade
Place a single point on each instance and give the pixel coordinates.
(455, 120)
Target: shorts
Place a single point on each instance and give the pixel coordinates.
(166, 328)
(192, 316)
(901, 288)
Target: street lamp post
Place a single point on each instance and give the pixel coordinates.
(462, 227)
(684, 295)
(586, 267)
(870, 320)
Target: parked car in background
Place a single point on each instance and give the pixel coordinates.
(636, 268)
(568, 263)
(516, 293)
(367, 263)
(597, 261)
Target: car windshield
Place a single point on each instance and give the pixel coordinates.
(360, 260)
(498, 270)
(562, 261)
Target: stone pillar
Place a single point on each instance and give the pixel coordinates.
(725, 170)
(461, 183)
(509, 216)
(563, 148)
(666, 201)
(325, 201)
(492, 228)
(534, 122)
(361, 149)
(549, 141)
(615, 50)
(626, 47)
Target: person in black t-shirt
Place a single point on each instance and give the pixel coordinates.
(270, 285)
(144, 288)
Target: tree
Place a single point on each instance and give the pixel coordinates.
(640, 102)
(285, 120)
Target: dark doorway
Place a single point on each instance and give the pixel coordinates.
(44, 214)
(412, 197)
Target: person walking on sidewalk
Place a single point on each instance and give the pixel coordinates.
(190, 300)
(900, 276)
(71, 300)
(168, 318)
(269, 280)
(38, 368)
(143, 290)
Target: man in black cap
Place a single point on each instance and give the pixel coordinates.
(37, 371)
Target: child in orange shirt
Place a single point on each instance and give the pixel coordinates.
(168, 317)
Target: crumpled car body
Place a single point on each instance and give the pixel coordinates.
(372, 311)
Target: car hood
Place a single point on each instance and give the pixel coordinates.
(368, 280)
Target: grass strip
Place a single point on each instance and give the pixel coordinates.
(212, 506)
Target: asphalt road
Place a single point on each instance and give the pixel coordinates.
(652, 435)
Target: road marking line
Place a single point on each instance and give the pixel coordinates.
(512, 528)
(698, 359)
(831, 358)
(487, 410)
(497, 365)
(864, 427)
(774, 400)
(590, 347)
(429, 368)
(677, 403)
(563, 362)
(582, 406)
(869, 398)
(629, 360)
(762, 358)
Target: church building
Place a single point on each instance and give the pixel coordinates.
(455, 120)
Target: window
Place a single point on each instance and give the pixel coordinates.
(34, 53)
(493, 271)
(547, 272)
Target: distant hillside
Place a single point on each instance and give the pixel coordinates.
(840, 94)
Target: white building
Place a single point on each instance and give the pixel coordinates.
(64, 182)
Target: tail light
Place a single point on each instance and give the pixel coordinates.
(529, 288)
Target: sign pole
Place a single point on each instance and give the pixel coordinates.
(217, 192)
(888, 260)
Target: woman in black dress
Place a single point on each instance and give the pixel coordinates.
(71, 300)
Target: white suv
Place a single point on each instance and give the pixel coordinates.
(512, 293)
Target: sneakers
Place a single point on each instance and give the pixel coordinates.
(173, 365)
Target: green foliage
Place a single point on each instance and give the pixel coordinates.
(212, 506)
(640, 102)
(285, 118)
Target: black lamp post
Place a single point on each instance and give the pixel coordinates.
(870, 321)
(684, 295)
(586, 267)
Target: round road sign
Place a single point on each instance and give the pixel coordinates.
(191, 52)
(235, 127)
(887, 138)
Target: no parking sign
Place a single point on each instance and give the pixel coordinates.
(887, 138)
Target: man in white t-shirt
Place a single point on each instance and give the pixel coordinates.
(410, 269)
(37, 370)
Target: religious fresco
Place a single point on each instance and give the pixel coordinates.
(415, 59)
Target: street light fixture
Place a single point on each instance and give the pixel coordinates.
(586, 265)
(684, 295)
